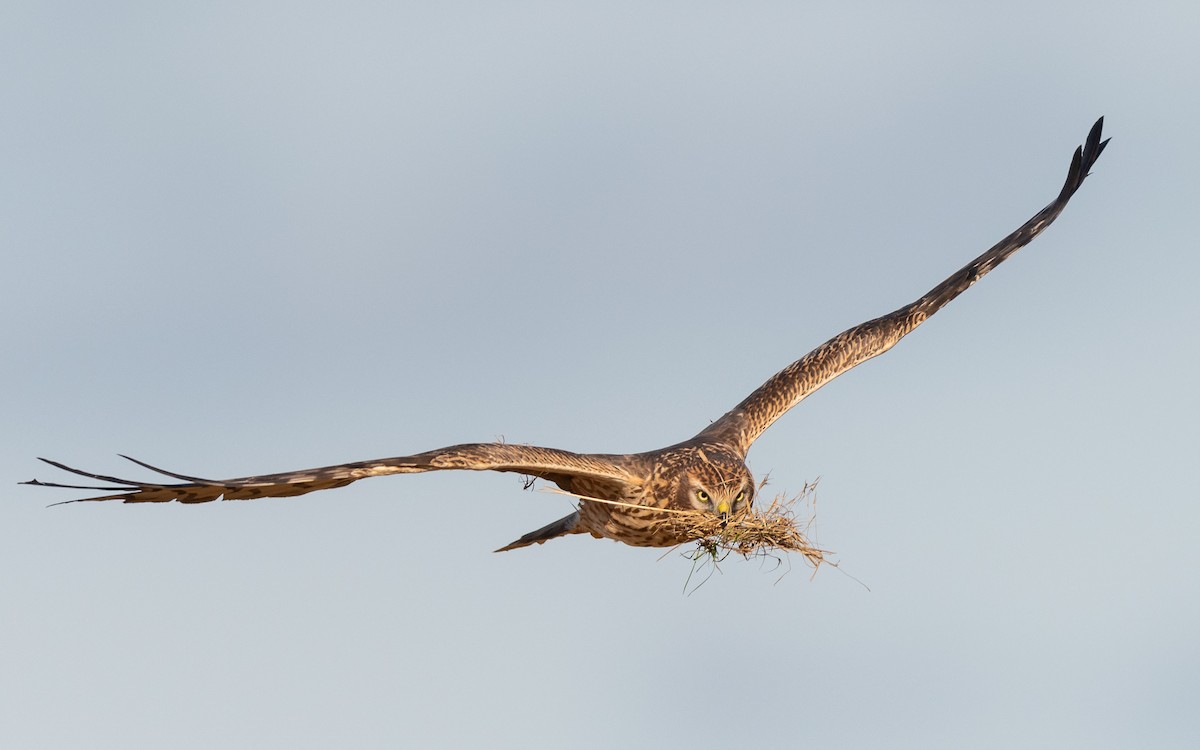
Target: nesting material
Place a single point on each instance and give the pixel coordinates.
(752, 532)
(770, 532)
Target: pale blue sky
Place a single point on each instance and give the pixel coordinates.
(251, 237)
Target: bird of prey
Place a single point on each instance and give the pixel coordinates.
(627, 497)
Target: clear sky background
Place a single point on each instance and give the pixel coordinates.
(253, 237)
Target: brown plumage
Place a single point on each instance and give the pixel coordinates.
(622, 495)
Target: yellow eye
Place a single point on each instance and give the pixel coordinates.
(740, 497)
(702, 495)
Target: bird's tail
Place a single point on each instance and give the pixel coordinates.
(561, 527)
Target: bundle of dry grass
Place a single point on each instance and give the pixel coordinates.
(752, 533)
(749, 533)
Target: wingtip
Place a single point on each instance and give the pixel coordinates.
(1084, 158)
(38, 483)
(1093, 136)
(1093, 146)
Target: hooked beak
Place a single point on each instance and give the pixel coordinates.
(723, 509)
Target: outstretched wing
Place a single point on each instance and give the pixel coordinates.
(739, 428)
(547, 463)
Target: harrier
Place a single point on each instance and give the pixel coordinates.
(626, 497)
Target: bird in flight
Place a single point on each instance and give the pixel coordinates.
(628, 497)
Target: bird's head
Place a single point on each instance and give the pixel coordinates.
(718, 487)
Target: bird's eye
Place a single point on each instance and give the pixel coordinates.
(740, 497)
(702, 495)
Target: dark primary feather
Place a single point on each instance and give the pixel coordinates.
(743, 424)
